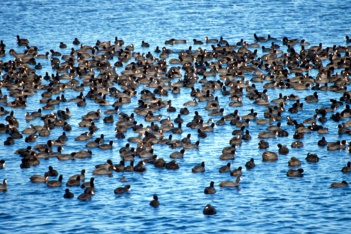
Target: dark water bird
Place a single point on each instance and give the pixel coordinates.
(263, 144)
(177, 154)
(228, 155)
(87, 195)
(231, 184)
(25, 163)
(76, 41)
(225, 168)
(172, 165)
(140, 167)
(347, 39)
(312, 158)
(22, 41)
(199, 168)
(339, 185)
(296, 144)
(89, 184)
(294, 162)
(73, 182)
(120, 167)
(130, 167)
(283, 149)
(81, 175)
(55, 183)
(68, 194)
(295, 173)
(209, 210)
(211, 189)
(104, 170)
(269, 156)
(160, 163)
(52, 172)
(250, 164)
(121, 190)
(106, 146)
(312, 98)
(2, 163)
(105, 165)
(3, 186)
(347, 168)
(39, 178)
(154, 202)
(237, 172)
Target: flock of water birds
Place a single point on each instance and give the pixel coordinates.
(211, 75)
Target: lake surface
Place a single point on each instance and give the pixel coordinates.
(266, 201)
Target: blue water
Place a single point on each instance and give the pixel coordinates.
(267, 201)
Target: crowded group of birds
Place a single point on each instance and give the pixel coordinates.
(212, 71)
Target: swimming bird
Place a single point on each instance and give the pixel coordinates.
(339, 185)
(22, 41)
(121, 190)
(68, 194)
(106, 146)
(347, 39)
(120, 167)
(86, 196)
(83, 154)
(198, 168)
(55, 183)
(312, 98)
(39, 178)
(89, 184)
(3, 186)
(312, 158)
(104, 170)
(140, 167)
(211, 189)
(294, 162)
(266, 134)
(347, 168)
(192, 145)
(259, 38)
(237, 172)
(231, 184)
(52, 172)
(129, 168)
(160, 163)
(105, 165)
(25, 163)
(74, 181)
(172, 165)
(225, 168)
(209, 210)
(155, 202)
(144, 44)
(295, 173)
(2, 164)
(210, 40)
(76, 41)
(283, 149)
(177, 154)
(269, 156)
(263, 144)
(250, 164)
(297, 144)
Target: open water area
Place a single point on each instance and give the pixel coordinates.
(266, 199)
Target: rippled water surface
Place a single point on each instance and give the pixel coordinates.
(267, 201)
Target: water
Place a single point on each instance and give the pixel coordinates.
(266, 201)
